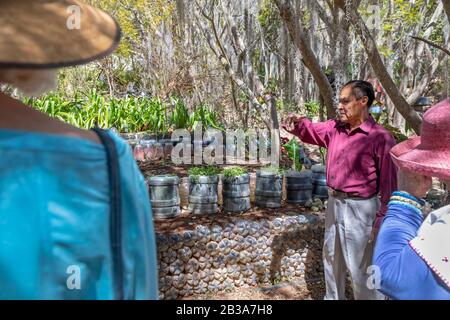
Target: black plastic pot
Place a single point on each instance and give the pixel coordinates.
(299, 186)
(164, 196)
(203, 194)
(269, 189)
(236, 193)
(320, 188)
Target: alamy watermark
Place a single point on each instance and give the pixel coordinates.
(74, 20)
(73, 281)
(373, 22)
(374, 279)
(231, 147)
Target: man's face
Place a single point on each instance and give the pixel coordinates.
(350, 108)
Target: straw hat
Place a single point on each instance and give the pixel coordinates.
(429, 154)
(48, 34)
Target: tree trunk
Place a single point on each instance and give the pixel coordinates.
(447, 9)
(301, 41)
(380, 70)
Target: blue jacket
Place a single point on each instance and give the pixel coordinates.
(404, 274)
(54, 220)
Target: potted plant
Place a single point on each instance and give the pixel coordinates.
(164, 196)
(269, 187)
(203, 183)
(298, 182)
(320, 188)
(236, 189)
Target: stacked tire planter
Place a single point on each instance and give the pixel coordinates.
(269, 189)
(320, 189)
(203, 196)
(236, 193)
(164, 196)
(299, 186)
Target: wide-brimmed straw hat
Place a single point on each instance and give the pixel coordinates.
(428, 154)
(52, 34)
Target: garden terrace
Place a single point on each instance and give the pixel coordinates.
(216, 253)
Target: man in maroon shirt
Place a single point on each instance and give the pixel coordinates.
(360, 173)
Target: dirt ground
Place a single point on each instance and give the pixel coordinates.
(293, 290)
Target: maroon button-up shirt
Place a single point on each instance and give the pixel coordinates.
(358, 161)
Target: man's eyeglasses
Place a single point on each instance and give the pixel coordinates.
(346, 101)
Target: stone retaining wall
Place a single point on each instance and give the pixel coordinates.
(222, 254)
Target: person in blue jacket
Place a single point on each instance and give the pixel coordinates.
(413, 246)
(55, 221)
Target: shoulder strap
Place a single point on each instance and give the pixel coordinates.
(115, 211)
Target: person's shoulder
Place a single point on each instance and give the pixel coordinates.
(382, 134)
(332, 122)
(378, 129)
(131, 172)
(122, 147)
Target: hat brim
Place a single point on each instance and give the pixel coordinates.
(40, 34)
(409, 156)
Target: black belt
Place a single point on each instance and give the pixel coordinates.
(341, 194)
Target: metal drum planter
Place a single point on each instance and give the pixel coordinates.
(269, 189)
(320, 189)
(164, 196)
(299, 186)
(236, 193)
(203, 194)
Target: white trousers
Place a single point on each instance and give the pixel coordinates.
(348, 226)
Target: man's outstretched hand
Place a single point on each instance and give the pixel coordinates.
(290, 122)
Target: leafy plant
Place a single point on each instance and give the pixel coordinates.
(312, 108)
(203, 171)
(128, 114)
(180, 114)
(396, 133)
(204, 116)
(234, 172)
(272, 169)
(293, 151)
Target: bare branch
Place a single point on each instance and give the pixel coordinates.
(323, 15)
(447, 51)
(447, 9)
(425, 81)
(380, 69)
(300, 40)
(224, 60)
